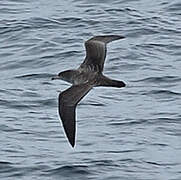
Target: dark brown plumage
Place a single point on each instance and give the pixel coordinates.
(83, 79)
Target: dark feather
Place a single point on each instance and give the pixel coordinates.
(68, 101)
(96, 51)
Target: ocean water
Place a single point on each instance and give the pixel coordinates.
(133, 133)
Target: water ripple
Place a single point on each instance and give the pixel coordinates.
(73, 171)
(129, 133)
(162, 79)
(163, 93)
(34, 76)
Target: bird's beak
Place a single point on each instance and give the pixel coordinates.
(55, 77)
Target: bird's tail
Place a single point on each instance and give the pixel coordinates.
(105, 81)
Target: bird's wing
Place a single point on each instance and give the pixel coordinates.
(96, 51)
(68, 101)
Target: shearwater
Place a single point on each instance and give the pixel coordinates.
(83, 79)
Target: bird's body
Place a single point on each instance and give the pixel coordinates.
(78, 76)
(83, 79)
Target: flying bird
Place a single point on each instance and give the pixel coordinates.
(88, 75)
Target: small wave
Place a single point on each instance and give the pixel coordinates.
(125, 151)
(7, 128)
(8, 169)
(162, 79)
(102, 162)
(69, 171)
(34, 76)
(32, 23)
(165, 93)
(128, 122)
(175, 7)
(5, 163)
(6, 166)
(28, 104)
(162, 164)
(92, 103)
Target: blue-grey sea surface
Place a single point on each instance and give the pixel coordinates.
(133, 133)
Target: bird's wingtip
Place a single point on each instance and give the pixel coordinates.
(106, 38)
(72, 142)
(73, 145)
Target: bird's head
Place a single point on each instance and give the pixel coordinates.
(58, 76)
(67, 75)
